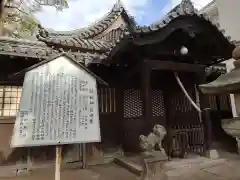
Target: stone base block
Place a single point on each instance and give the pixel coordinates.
(212, 154)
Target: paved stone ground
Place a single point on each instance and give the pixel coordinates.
(222, 171)
(103, 172)
(224, 168)
(197, 168)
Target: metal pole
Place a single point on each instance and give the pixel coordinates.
(58, 162)
(29, 159)
(84, 158)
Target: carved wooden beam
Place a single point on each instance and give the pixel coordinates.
(174, 66)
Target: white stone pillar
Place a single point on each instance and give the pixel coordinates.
(230, 67)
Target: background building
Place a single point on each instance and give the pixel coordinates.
(225, 13)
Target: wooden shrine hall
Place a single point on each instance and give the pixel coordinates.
(144, 68)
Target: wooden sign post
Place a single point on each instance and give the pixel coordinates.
(58, 162)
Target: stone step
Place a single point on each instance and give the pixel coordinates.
(113, 172)
(8, 171)
(129, 165)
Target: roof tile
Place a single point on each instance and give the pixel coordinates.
(90, 31)
(185, 8)
(76, 42)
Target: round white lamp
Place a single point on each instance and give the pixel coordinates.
(183, 50)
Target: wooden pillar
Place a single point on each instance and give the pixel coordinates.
(168, 124)
(207, 128)
(218, 103)
(206, 113)
(201, 79)
(146, 96)
(119, 111)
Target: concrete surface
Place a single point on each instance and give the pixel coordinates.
(198, 168)
(101, 172)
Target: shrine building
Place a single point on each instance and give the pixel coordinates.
(139, 64)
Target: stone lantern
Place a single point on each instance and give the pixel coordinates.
(228, 83)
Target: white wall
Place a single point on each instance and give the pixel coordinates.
(230, 66)
(229, 14)
(226, 13)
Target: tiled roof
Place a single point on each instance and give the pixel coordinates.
(91, 30)
(37, 49)
(86, 58)
(185, 8)
(25, 48)
(78, 43)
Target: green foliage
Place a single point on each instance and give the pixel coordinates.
(27, 26)
(18, 22)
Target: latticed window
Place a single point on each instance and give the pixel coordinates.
(9, 100)
(107, 100)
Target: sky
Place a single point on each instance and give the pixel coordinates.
(84, 12)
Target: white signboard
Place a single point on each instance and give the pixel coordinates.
(58, 105)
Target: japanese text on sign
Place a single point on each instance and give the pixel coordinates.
(57, 108)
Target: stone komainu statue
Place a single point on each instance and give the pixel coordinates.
(149, 143)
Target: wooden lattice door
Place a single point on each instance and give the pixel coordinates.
(109, 121)
(158, 108)
(133, 122)
(186, 129)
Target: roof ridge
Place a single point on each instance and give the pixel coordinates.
(184, 6)
(92, 29)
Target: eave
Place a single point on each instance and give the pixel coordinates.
(63, 54)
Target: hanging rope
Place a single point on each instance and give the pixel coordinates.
(186, 93)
